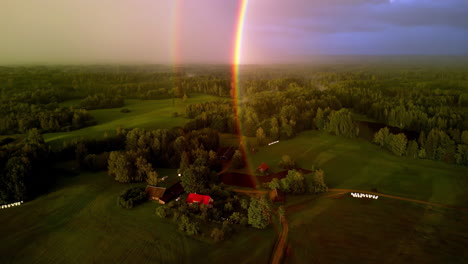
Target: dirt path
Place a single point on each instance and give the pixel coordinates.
(281, 242)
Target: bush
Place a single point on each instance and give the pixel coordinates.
(217, 234)
(132, 197)
(287, 163)
(162, 211)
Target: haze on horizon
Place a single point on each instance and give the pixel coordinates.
(145, 31)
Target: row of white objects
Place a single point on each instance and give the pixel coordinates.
(274, 142)
(11, 205)
(364, 195)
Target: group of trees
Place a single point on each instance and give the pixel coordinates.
(193, 152)
(296, 183)
(21, 117)
(99, 101)
(24, 168)
(228, 211)
(437, 145)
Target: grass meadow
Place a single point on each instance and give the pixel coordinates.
(80, 222)
(358, 164)
(149, 114)
(351, 230)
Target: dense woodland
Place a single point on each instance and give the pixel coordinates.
(274, 103)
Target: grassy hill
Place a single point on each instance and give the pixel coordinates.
(358, 164)
(80, 222)
(151, 114)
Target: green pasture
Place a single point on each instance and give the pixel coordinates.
(351, 230)
(150, 114)
(80, 222)
(359, 164)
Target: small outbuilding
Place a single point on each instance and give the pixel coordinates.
(200, 199)
(262, 168)
(155, 193)
(172, 192)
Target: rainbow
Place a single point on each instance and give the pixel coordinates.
(236, 61)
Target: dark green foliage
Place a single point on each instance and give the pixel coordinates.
(195, 179)
(341, 123)
(188, 226)
(318, 182)
(162, 211)
(287, 162)
(259, 213)
(238, 160)
(98, 101)
(132, 197)
(217, 234)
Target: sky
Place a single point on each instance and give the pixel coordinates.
(203, 31)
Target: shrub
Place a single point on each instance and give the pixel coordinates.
(132, 197)
(217, 234)
(161, 211)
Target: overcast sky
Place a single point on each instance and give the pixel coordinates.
(202, 31)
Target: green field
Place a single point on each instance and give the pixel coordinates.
(80, 222)
(358, 164)
(151, 114)
(351, 230)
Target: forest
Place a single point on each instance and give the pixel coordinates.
(417, 112)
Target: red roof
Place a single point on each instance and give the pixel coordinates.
(199, 198)
(263, 167)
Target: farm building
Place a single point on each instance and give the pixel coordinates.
(200, 199)
(263, 167)
(155, 193)
(172, 192)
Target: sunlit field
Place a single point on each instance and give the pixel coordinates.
(147, 114)
(358, 164)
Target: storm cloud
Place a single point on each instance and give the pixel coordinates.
(203, 31)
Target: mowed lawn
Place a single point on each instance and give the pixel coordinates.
(80, 222)
(352, 230)
(150, 114)
(359, 164)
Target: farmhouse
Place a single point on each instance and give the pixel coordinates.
(154, 193)
(200, 199)
(262, 168)
(172, 192)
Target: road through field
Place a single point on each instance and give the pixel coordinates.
(280, 246)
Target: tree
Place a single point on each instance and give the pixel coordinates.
(382, 136)
(237, 160)
(398, 144)
(259, 213)
(260, 136)
(119, 167)
(341, 123)
(413, 149)
(195, 179)
(294, 182)
(318, 182)
(287, 163)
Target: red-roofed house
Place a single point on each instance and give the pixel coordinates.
(262, 168)
(200, 199)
